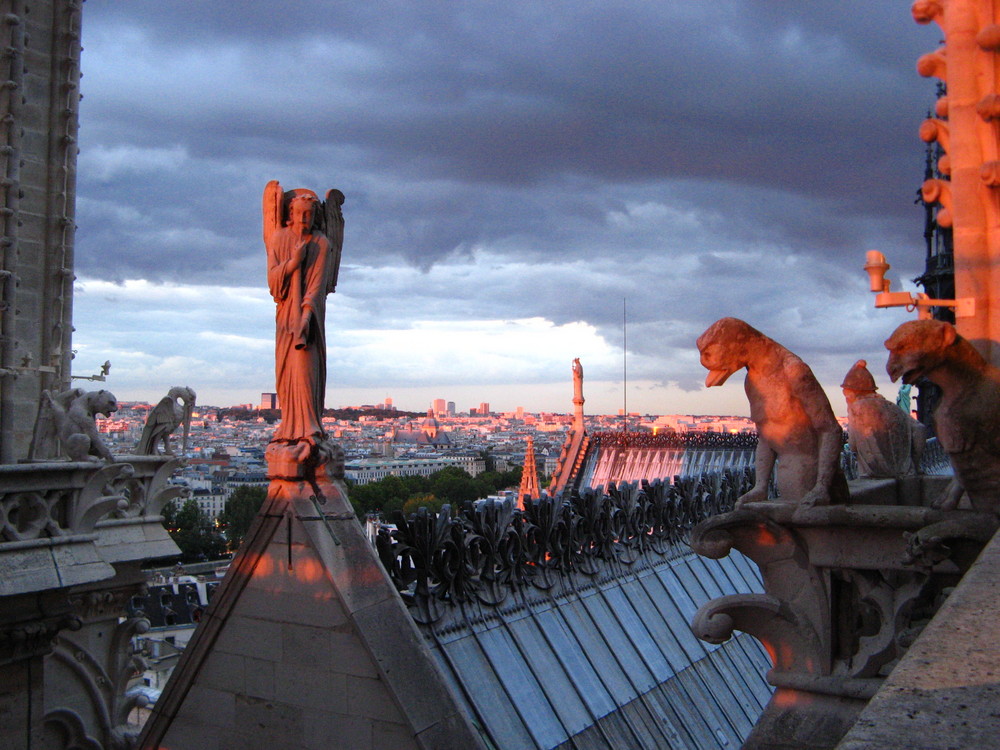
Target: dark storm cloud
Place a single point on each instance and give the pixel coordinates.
(454, 106)
(521, 160)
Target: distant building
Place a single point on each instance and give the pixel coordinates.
(367, 470)
(484, 409)
(430, 434)
(439, 406)
(269, 401)
(451, 408)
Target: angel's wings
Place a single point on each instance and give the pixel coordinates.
(329, 219)
(272, 205)
(334, 231)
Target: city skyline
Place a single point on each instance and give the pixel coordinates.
(503, 199)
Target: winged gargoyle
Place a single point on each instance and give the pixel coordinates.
(165, 417)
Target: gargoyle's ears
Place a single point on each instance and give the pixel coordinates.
(948, 335)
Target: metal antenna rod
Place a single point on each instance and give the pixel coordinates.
(624, 366)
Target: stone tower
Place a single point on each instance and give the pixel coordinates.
(39, 103)
(967, 127)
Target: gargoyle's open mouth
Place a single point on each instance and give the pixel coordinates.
(717, 377)
(911, 376)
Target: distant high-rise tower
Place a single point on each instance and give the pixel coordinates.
(519, 414)
(451, 408)
(484, 409)
(529, 476)
(269, 401)
(388, 403)
(439, 406)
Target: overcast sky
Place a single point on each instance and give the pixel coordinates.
(514, 171)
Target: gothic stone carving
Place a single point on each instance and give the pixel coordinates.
(65, 426)
(966, 419)
(166, 417)
(795, 423)
(886, 441)
(846, 590)
(304, 238)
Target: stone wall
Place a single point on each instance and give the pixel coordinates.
(39, 101)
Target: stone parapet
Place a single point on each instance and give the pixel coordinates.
(73, 536)
(847, 589)
(945, 690)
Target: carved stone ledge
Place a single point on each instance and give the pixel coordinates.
(847, 589)
(65, 523)
(29, 624)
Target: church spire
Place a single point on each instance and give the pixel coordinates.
(529, 488)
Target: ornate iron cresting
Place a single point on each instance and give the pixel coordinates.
(686, 440)
(486, 550)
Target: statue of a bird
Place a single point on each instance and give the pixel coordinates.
(164, 419)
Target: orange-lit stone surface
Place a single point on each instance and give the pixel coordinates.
(301, 272)
(795, 422)
(966, 419)
(306, 644)
(969, 66)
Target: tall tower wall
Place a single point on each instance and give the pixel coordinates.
(39, 116)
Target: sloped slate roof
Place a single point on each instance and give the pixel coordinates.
(610, 664)
(629, 457)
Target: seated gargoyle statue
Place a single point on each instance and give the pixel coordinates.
(966, 419)
(795, 422)
(887, 441)
(66, 426)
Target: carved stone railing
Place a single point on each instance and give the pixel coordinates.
(847, 588)
(73, 536)
(486, 551)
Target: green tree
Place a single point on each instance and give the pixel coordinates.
(455, 486)
(422, 501)
(194, 534)
(241, 508)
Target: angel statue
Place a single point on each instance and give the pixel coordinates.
(304, 237)
(166, 417)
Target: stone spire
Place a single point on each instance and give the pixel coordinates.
(529, 477)
(577, 395)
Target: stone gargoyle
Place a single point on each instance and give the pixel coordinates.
(166, 417)
(887, 441)
(968, 414)
(795, 422)
(66, 426)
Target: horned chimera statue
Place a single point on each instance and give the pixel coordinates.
(968, 414)
(795, 423)
(304, 238)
